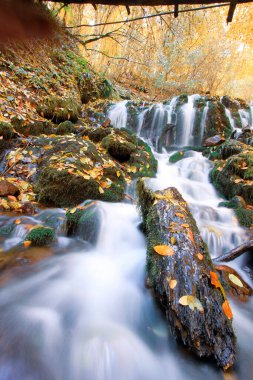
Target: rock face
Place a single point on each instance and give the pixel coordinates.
(183, 278)
(7, 188)
(217, 121)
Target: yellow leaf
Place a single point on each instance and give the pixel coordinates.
(173, 284)
(164, 250)
(235, 280)
(179, 214)
(118, 173)
(173, 240)
(73, 210)
(101, 190)
(185, 225)
(192, 302)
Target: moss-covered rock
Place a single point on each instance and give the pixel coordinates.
(85, 221)
(65, 128)
(119, 149)
(41, 127)
(98, 134)
(59, 109)
(217, 123)
(41, 236)
(234, 176)
(6, 131)
(177, 157)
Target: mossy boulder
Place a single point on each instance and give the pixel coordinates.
(84, 221)
(119, 149)
(234, 176)
(41, 236)
(229, 148)
(59, 109)
(65, 128)
(98, 134)
(36, 128)
(217, 123)
(6, 131)
(176, 157)
(73, 170)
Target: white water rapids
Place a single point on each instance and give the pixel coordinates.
(87, 315)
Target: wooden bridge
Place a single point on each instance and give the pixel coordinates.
(176, 3)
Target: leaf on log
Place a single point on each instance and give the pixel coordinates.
(235, 280)
(185, 225)
(173, 284)
(227, 309)
(192, 302)
(27, 243)
(164, 250)
(179, 214)
(200, 256)
(173, 240)
(215, 280)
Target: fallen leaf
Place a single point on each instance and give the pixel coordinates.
(179, 215)
(190, 236)
(185, 225)
(12, 198)
(73, 210)
(215, 280)
(173, 284)
(173, 240)
(200, 256)
(164, 250)
(227, 309)
(235, 280)
(17, 221)
(27, 243)
(192, 302)
(101, 191)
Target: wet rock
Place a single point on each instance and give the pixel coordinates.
(217, 123)
(8, 188)
(6, 131)
(214, 141)
(234, 176)
(41, 236)
(118, 149)
(84, 221)
(29, 208)
(177, 157)
(36, 128)
(180, 276)
(65, 128)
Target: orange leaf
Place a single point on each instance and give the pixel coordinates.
(190, 236)
(215, 280)
(200, 256)
(173, 284)
(179, 215)
(27, 243)
(17, 221)
(12, 198)
(164, 250)
(227, 309)
(185, 225)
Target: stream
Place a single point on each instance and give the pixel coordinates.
(86, 315)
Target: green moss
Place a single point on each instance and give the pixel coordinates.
(106, 88)
(97, 134)
(60, 109)
(176, 157)
(6, 131)
(244, 215)
(41, 236)
(120, 150)
(65, 128)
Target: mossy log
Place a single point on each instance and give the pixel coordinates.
(199, 324)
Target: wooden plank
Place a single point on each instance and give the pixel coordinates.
(231, 11)
(147, 2)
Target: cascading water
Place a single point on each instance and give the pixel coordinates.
(87, 315)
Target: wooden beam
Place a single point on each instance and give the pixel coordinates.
(147, 2)
(231, 11)
(176, 10)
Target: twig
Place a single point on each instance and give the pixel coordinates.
(234, 253)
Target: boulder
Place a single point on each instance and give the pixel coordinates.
(214, 141)
(8, 188)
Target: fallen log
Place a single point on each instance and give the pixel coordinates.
(234, 253)
(183, 278)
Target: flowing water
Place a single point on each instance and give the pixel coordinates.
(87, 315)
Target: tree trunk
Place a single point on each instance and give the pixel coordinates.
(182, 269)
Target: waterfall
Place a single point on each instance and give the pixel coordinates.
(118, 115)
(87, 315)
(203, 122)
(245, 117)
